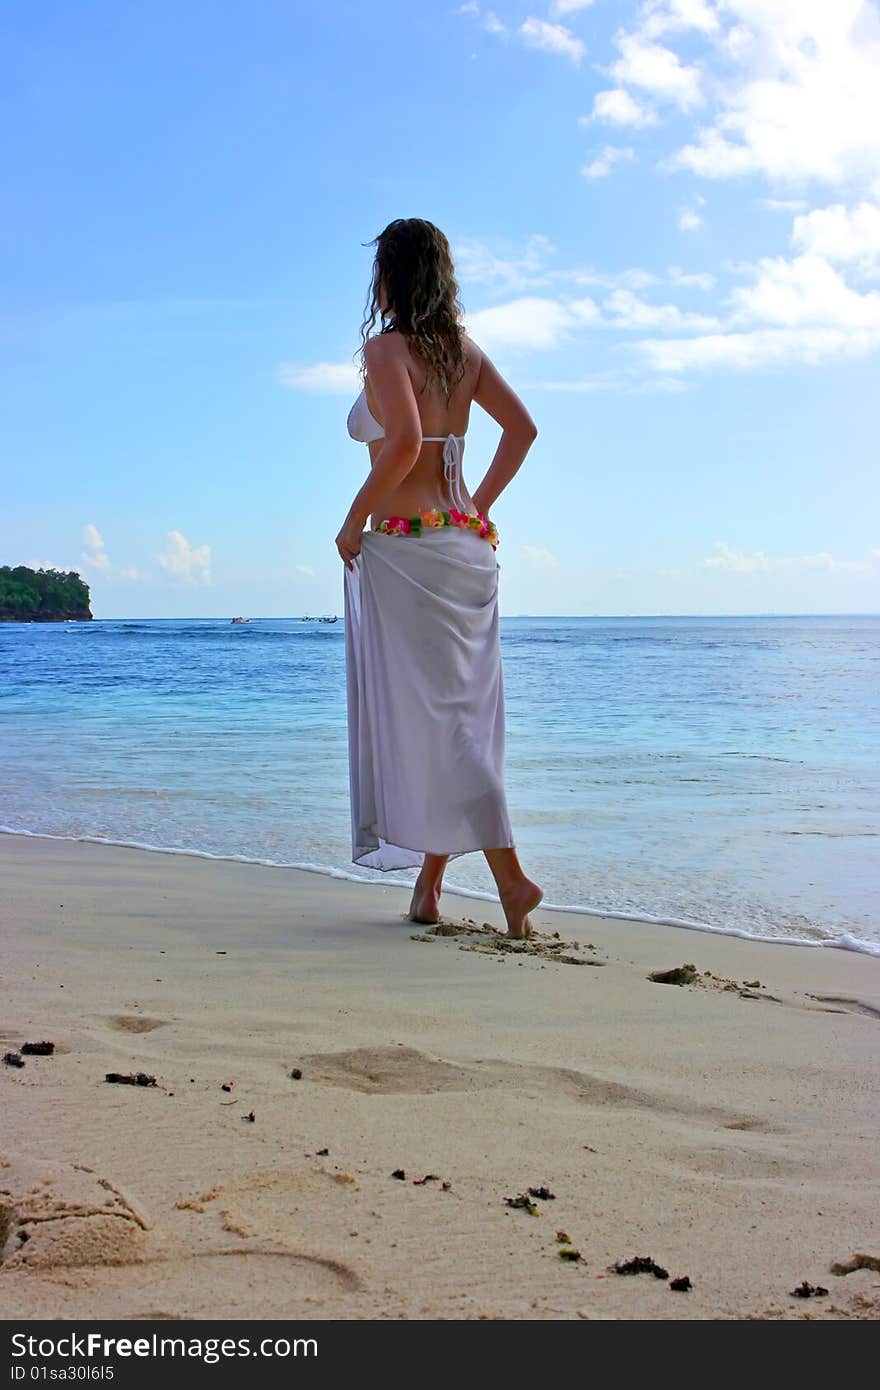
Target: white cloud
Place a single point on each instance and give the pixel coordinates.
(689, 220)
(493, 25)
(330, 377)
(841, 234)
(618, 107)
(632, 279)
(798, 310)
(665, 16)
(802, 98)
(785, 204)
(735, 561)
(512, 271)
(624, 382)
(95, 556)
(540, 559)
(184, 561)
(805, 290)
(475, 263)
(304, 569)
(551, 38)
(763, 347)
(469, 7)
(698, 280)
(44, 565)
(95, 560)
(478, 263)
(656, 69)
(605, 161)
(129, 572)
(528, 322)
(628, 311)
(560, 8)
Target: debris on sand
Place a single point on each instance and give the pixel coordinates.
(806, 1290)
(136, 1078)
(681, 1284)
(322, 1153)
(567, 1252)
(13, 1059)
(296, 1074)
(429, 1177)
(39, 1049)
(639, 1264)
(227, 1085)
(400, 1174)
(563, 1238)
(543, 1194)
(250, 1117)
(857, 1261)
(524, 1201)
(680, 975)
(688, 974)
(488, 940)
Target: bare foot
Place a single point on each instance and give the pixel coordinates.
(517, 904)
(425, 905)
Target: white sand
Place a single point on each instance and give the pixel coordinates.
(732, 1138)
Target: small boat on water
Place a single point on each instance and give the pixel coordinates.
(329, 619)
(240, 621)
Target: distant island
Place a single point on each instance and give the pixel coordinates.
(42, 596)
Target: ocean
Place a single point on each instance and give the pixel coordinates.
(720, 773)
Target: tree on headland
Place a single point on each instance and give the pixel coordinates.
(42, 595)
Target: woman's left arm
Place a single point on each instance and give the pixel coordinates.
(392, 388)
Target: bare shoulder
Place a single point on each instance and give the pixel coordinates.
(473, 353)
(384, 347)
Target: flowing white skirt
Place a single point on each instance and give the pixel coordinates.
(425, 698)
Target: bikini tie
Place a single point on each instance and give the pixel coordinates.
(452, 453)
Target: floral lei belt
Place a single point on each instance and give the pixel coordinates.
(432, 517)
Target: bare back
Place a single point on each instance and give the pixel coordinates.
(425, 485)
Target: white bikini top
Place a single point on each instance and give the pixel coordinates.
(365, 428)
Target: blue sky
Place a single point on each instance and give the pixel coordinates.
(666, 221)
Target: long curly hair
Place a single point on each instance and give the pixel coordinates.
(413, 263)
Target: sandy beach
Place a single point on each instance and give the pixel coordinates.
(727, 1128)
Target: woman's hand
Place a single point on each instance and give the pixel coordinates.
(348, 542)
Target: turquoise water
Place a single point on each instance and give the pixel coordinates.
(723, 772)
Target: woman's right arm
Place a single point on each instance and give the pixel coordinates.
(519, 432)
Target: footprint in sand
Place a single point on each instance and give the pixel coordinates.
(404, 1070)
(135, 1023)
(66, 1216)
(257, 1203)
(81, 1232)
(848, 1005)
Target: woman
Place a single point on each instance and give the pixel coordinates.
(424, 680)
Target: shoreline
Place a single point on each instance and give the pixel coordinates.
(845, 943)
(727, 1128)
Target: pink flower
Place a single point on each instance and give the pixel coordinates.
(458, 518)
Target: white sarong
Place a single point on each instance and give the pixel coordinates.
(425, 698)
